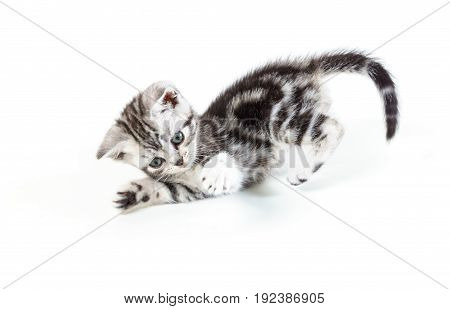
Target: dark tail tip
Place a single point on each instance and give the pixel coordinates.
(391, 113)
(391, 128)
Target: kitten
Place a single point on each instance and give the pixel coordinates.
(243, 135)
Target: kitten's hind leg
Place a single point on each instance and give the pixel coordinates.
(316, 146)
(324, 139)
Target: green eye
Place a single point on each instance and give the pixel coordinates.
(178, 138)
(156, 162)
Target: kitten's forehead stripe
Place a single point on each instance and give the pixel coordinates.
(149, 126)
(144, 125)
(125, 126)
(137, 127)
(134, 125)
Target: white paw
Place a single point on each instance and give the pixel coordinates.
(220, 175)
(298, 176)
(131, 195)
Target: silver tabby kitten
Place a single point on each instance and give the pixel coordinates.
(274, 115)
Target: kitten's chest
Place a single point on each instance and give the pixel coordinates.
(191, 177)
(220, 174)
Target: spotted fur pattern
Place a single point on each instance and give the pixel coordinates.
(274, 118)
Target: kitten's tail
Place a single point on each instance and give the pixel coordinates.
(360, 63)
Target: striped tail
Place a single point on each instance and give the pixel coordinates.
(358, 62)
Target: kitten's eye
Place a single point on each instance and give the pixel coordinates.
(178, 138)
(156, 162)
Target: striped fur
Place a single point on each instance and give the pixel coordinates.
(274, 117)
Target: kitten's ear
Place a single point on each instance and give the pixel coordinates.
(164, 96)
(169, 97)
(162, 93)
(113, 143)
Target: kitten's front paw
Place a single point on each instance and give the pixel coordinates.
(132, 195)
(220, 176)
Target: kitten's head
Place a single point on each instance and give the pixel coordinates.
(156, 132)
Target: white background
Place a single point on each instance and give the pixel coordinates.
(56, 106)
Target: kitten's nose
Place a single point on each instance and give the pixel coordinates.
(179, 162)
